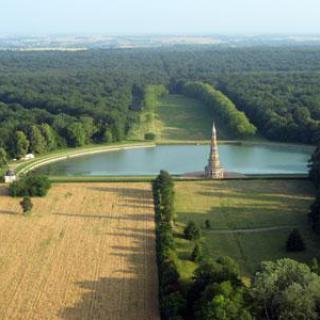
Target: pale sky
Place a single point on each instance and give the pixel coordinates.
(160, 16)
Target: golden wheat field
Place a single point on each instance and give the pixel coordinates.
(86, 252)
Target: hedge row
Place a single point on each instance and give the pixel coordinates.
(236, 121)
(172, 302)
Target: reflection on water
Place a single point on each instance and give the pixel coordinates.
(178, 159)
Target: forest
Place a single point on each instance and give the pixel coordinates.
(50, 100)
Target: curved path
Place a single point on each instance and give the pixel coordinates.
(23, 167)
(252, 230)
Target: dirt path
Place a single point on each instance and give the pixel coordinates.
(253, 230)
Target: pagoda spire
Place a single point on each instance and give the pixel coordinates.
(214, 170)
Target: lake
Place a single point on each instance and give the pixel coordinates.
(180, 159)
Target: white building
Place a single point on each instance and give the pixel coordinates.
(28, 156)
(10, 176)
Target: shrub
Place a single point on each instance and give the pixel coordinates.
(207, 224)
(30, 185)
(295, 242)
(173, 306)
(315, 266)
(26, 205)
(192, 231)
(150, 136)
(169, 277)
(314, 215)
(196, 253)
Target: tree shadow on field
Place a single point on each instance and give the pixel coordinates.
(131, 291)
(102, 299)
(4, 190)
(127, 192)
(134, 197)
(9, 212)
(126, 287)
(132, 205)
(131, 217)
(266, 190)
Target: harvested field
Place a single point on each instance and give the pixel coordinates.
(86, 252)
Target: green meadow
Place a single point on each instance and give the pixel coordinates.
(250, 220)
(176, 118)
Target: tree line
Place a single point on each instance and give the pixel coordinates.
(221, 106)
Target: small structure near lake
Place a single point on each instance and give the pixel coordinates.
(28, 156)
(10, 176)
(214, 169)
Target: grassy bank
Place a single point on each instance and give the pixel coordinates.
(250, 220)
(75, 179)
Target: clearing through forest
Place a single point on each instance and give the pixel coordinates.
(86, 252)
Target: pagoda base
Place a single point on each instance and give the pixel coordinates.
(217, 173)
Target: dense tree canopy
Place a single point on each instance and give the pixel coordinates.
(102, 91)
(286, 289)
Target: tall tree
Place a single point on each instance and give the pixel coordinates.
(49, 136)
(37, 141)
(89, 128)
(20, 144)
(3, 158)
(76, 135)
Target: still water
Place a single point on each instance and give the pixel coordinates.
(179, 159)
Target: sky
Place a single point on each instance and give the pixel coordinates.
(160, 16)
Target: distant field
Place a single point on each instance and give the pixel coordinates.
(250, 220)
(86, 252)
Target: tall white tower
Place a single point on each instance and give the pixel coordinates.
(214, 170)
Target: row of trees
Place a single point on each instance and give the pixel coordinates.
(221, 106)
(63, 132)
(172, 302)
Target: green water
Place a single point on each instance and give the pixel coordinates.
(180, 159)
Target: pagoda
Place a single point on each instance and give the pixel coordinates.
(214, 170)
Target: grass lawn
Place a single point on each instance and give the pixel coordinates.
(250, 220)
(176, 118)
(183, 118)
